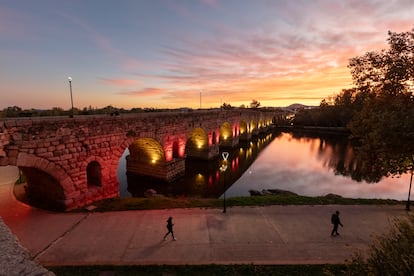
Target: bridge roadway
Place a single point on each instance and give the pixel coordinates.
(259, 235)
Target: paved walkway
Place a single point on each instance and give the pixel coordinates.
(260, 235)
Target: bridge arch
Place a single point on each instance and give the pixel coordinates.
(243, 128)
(94, 174)
(48, 185)
(147, 158)
(175, 150)
(229, 135)
(226, 131)
(147, 150)
(197, 143)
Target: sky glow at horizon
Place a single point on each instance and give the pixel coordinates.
(163, 54)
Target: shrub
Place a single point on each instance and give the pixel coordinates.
(390, 254)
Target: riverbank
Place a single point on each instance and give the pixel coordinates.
(9, 175)
(258, 198)
(162, 202)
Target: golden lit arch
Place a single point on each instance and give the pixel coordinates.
(261, 123)
(253, 125)
(226, 131)
(147, 150)
(198, 139)
(243, 127)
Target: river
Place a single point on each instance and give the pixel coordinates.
(304, 163)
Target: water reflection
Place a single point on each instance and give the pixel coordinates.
(313, 166)
(202, 178)
(304, 163)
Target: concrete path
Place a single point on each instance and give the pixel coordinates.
(260, 235)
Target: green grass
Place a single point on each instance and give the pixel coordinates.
(161, 202)
(199, 270)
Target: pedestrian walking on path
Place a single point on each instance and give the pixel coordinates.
(336, 221)
(170, 229)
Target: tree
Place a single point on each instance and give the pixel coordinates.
(384, 124)
(254, 104)
(388, 72)
(226, 106)
(12, 111)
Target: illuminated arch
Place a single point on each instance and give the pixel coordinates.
(197, 139)
(253, 125)
(243, 128)
(147, 150)
(226, 131)
(261, 123)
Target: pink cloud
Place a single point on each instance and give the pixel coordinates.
(145, 92)
(119, 82)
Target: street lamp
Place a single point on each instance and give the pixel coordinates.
(223, 169)
(71, 98)
(407, 206)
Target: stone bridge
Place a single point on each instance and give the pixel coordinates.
(71, 162)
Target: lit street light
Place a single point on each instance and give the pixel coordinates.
(407, 206)
(223, 169)
(71, 98)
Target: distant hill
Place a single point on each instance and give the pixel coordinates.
(297, 106)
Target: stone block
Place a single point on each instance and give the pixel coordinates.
(66, 157)
(60, 147)
(40, 150)
(73, 194)
(12, 153)
(4, 161)
(46, 155)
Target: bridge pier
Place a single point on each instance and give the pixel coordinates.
(255, 132)
(206, 153)
(263, 129)
(167, 171)
(245, 137)
(229, 142)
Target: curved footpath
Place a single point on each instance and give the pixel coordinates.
(259, 235)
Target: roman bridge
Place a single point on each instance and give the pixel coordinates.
(71, 162)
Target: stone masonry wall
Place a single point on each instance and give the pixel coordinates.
(63, 147)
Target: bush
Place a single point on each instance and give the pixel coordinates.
(390, 254)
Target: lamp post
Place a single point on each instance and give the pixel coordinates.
(223, 169)
(407, 206)
(71, 98)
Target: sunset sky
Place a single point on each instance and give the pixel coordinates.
(164, 53)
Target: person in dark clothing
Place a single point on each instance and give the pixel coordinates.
(170, 229)
(336, 222)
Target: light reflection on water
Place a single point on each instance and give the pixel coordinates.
(301, 164)
(303, 167)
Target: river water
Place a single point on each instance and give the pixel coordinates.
(306, 164)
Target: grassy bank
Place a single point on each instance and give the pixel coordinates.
(199, 270)
(161, 202)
